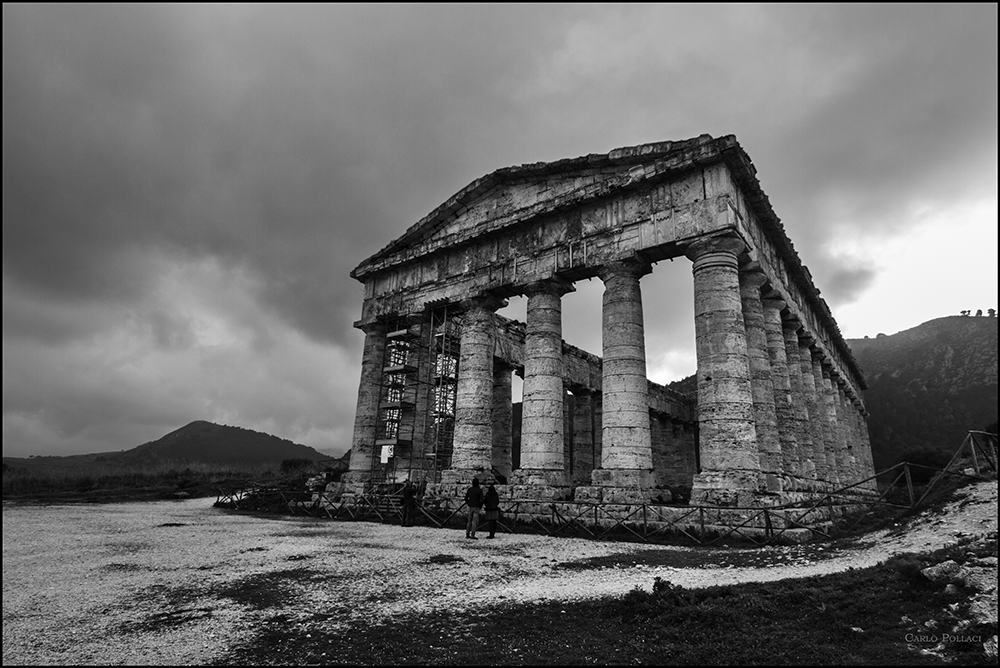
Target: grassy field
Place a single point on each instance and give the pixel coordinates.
(883, 615)
(95, 481)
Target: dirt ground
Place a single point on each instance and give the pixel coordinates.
(180, 582)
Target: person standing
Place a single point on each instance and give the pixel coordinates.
(491, 503)
(474, 500)
(409, 504)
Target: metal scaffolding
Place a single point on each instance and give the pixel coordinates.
(416, 407)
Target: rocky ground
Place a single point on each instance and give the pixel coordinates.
(183, 583)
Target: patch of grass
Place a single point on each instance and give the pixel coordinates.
(267, 590)
(445, 559)
(857, 617)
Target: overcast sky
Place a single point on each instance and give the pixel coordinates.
(186, 188)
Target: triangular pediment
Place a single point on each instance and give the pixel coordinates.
(511, 195)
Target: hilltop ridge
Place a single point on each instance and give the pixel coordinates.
(212, 443)
(199, 441)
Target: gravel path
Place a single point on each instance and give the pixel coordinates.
(179, 582)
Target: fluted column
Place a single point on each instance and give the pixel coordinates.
(863, 445)
(835, 443)
(502, 415)
(826, 472)
(784, 409)
(728, 438)
(806, 469)
(583, 436)
(626, 457)
(765, 417)
(366, 415)
(847, 455)
(817, 418)
(473, 444)
(542, 421)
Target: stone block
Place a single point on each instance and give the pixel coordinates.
(628, 495)
(588, 494)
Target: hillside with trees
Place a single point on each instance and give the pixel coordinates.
(928, 386)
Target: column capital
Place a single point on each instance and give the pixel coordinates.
(723, 246)
(553, 286)
(371, 327)
(776, 303)
(752, 278)
(632, 268)
(485, 300)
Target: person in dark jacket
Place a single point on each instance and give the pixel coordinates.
(491, 503)
(474, 500)
(409, 504)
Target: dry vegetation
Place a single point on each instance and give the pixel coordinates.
(97, 481)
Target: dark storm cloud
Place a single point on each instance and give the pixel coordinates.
(186, 189)
(915, 122)
(275, 138)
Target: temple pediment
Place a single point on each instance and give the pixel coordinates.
(512, 195)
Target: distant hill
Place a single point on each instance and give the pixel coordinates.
(197, 442)
(217, 444)
(928, 386)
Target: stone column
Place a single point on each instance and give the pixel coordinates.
(542, 421)
(472, 453)
(598, 429)
(765, 417)
(806, 469)
(730, 465)
(626, 457)
(816, 418)
(784, 409)
(845, 428)
(866, 446)
(835, 444)
(366, 416)
(502, 414)
(583, 437)
(827, 472)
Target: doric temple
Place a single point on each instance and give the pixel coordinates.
(779, 405)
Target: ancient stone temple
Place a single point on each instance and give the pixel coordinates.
(779, 405)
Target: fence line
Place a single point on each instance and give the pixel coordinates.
(644, 521)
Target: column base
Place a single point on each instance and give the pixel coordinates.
(355, 482)
(464, 477)
(731, 487)
(539, 484)
(632, 486)
(773, 482)
(550, 477)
